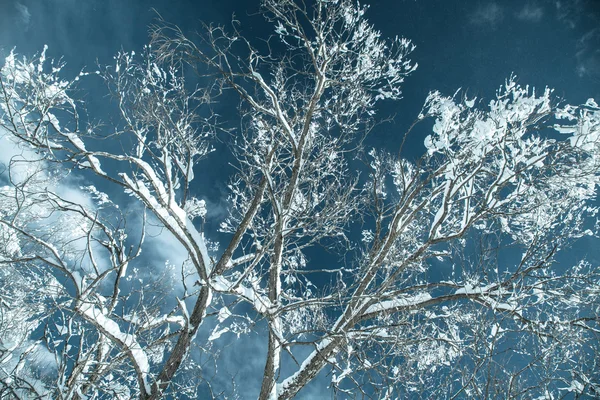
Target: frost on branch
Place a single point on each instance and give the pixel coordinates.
(195, 208)
(500, 160)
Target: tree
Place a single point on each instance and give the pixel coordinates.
(455, 288)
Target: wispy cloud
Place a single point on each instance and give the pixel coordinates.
(575, 13)
(490, 14)
(588, 55)
(530, 12)
(24, 14)
(240, 361)
(566, 12)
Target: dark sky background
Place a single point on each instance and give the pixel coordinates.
(470, 44)
(474, 44)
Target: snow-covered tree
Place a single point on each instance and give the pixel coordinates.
(447, 274)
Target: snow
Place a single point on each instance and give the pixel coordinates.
(469, 289)
(11, 245)
(240, 260)
(78, 280)
(261, 303)
(293, 378)
(408, 301)
(76, 141)
(176, 225)
(51, 118)
(504, 306)
(495, 329)
(155, 322)
(335, 379)
(200, 243)
(221, 284)
(184, 310)
(95, 163)
(127, 341)
(216, 333)
(575, 386)
(42, 59)
(444, 208)
(195, 208)
(224, 313)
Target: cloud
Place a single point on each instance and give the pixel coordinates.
(239, 362)
(13, 160)
(24, 14)
(567, 12)
(574, 13)
(530, 12)
(490, 14)
(588, 55)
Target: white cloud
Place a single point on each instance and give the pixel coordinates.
(5, 155)
(240, 362)
(574, 13)
(530, 12)
(24, 14)
(588, 55)
(566, 12)
(490, 14)
(14, 156)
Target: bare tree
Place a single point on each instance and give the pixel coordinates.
(454, 289)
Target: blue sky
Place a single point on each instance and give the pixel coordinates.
(474, 45)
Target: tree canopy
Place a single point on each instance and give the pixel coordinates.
(368, 272)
